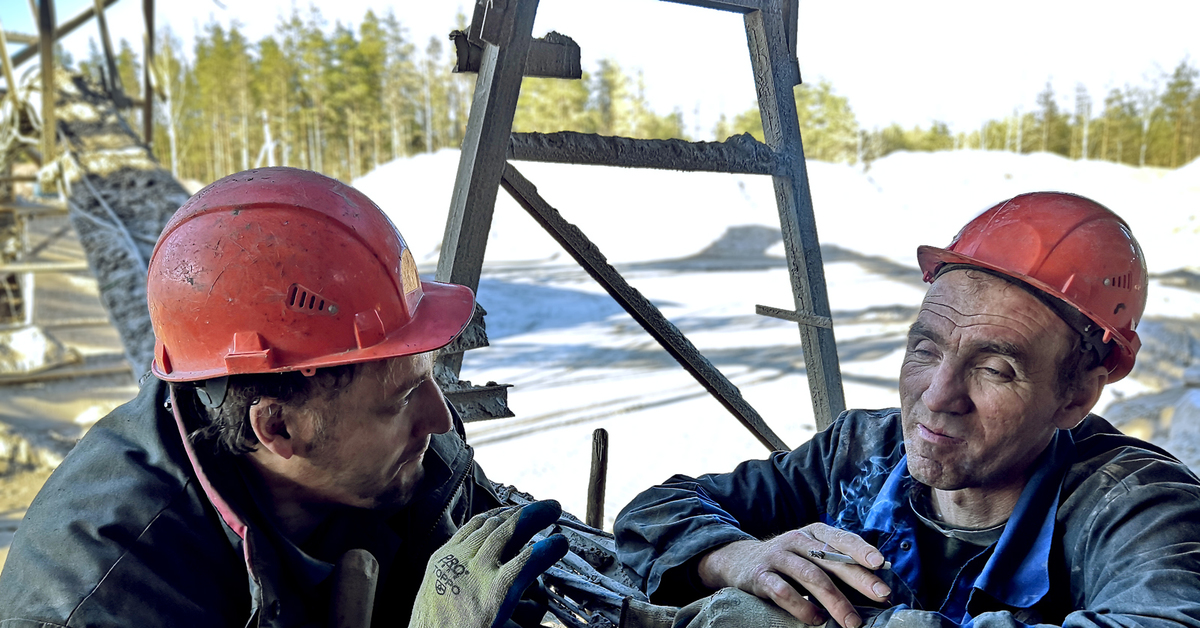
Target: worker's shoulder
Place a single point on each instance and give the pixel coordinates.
(867, 426)
(870, 418)
(1107, 458)
(122, 513)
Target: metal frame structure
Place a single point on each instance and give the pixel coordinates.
(42, 47)
(501, 48)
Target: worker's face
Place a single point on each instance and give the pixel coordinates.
(978, 391)
(376, 430)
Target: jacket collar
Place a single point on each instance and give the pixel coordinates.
(1017, 572)
(276, 566)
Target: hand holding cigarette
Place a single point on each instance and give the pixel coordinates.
(835, 557)
(776, 569)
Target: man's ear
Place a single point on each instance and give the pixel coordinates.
(267, 418)
(1082, 399)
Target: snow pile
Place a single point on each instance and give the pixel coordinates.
(901, 201)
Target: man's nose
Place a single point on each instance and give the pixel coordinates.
(948, 391)
(433, 416)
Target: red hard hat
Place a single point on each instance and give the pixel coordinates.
(280, 269)
(1067, 246)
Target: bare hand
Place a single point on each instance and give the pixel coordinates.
(768, 569)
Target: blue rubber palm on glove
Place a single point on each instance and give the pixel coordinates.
(479, 575)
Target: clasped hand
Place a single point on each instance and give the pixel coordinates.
(769, 569)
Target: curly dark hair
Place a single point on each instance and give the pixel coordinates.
(226, 429)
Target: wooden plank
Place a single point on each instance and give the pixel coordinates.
(47, 35)
(20, 38)
(775, 77)
(733, 6)
(739, 154)
(41, 267)
(481, 162)
(795, 317)
(638, 306)
(555, 56)
(64, 29)
(147, 84)
(112, 78)
(598, 480)
(9, 78)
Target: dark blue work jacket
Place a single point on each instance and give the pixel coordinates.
(1106, 532)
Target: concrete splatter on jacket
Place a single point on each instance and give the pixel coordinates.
(1106, 532)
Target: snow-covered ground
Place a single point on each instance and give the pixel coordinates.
(578, 362)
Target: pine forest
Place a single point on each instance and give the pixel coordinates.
(342, 99)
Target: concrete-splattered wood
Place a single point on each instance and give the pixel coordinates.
(119, 199)
(774, 78)
(639, 307)
(739, 154)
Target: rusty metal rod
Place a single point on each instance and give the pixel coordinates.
(638, 306)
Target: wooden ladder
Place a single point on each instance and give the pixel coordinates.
(499, 46)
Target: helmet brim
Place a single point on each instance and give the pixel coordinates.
(1119, 363)
(444, 312)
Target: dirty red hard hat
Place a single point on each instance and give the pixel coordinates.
(280, 269)
(1067, 246)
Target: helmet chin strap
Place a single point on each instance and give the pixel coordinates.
(1091, 334)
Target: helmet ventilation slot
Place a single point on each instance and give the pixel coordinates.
(301, 299)
(1124, 282)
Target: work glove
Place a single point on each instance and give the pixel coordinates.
(476, 579)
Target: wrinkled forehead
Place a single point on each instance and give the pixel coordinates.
(970, 296)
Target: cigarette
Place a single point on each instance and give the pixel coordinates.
(835, 557)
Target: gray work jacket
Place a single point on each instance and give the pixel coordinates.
(136, 529)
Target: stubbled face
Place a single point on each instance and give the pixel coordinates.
(377, 429)
(978, 385)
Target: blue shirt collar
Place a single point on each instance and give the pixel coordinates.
(1017, 573)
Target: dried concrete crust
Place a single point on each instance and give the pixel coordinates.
(119, 198)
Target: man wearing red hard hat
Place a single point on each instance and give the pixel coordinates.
(990, 497)
(292, 417)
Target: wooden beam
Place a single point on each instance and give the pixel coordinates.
(112, 78)
(775, 76)
(739, 154)
(46, 39)
(733, 6)
(21, 38)
(481, 161)
(795, 317)
(64, 29)
(9, 76)
(639, 307)
(554, 56)
(598, 480)
(147, 87)
(41, 267)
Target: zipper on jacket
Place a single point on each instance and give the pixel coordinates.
(457, 486)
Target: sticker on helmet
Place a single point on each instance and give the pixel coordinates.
(408, 272)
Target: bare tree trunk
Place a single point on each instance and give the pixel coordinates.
(352, 155)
